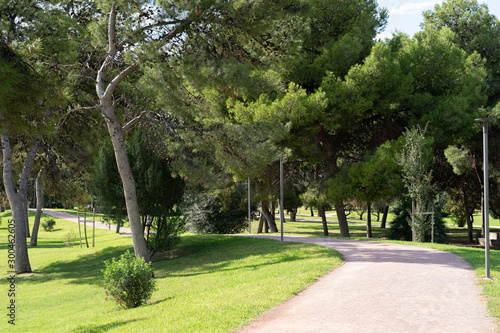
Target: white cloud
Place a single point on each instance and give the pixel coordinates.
(411, 8)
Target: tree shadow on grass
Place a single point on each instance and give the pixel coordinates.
(86, 269)
(207, 254)
(102, 328)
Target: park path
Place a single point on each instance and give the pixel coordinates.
(380, 288)
(383, 288)
(73, 218)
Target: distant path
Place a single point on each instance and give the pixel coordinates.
(383, 288)
(70, 217)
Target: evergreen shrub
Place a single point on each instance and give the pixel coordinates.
(129, 280)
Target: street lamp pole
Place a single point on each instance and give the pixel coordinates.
(282, 215)
(486, 215)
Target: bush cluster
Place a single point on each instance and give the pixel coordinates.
(129, 280)
(48, 224)
(206, 214)
(401, 224)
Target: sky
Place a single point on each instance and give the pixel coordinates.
(406, 15)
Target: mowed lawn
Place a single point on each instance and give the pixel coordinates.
(208, 284)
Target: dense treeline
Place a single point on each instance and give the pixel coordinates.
(219, 91)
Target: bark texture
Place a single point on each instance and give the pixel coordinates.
(343, 226)
(16, 200)
(384, 217)
(39, 206)
(321, 212)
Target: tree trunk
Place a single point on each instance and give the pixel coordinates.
(343, 226)
(384, 217)
(26, 217)
(267, 215)
(470, 236)
(312, 212)
(105, 93)
(261, 219)
(118, 224)
(39, 206)
(16, 200)
(369, 221)
(273, 210)
(293, 215)
(321, 212)
(129, 187)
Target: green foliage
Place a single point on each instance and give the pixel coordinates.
(208, 214)
(459, 159)
(476, 30)
(48, 224)
(129, 280)
(164, 233)
(401, 224)
(158, 191)
(415, 161)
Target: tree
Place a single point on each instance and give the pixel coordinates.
(476, 30)
(415, 160)
(19, 92)
(158, 190)
(141, 35)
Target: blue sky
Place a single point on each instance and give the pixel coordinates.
(406, 16)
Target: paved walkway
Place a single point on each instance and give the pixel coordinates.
(380, 288)
(73, 218)
(383, 288)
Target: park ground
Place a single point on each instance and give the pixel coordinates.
(200, 284)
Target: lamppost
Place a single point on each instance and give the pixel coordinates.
(282, 214)
(486, 195)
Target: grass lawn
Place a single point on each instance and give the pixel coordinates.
(208, 284)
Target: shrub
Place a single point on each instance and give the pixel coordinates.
(401, 224)
(164, 233)
(48, 224)
(70, 239)
(206, 214)
(129, 280)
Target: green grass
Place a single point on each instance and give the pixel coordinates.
(208, 284)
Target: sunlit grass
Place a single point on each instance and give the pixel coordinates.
(208, 284)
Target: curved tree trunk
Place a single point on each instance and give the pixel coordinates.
(39, 206)
(321, 212)
(129, 187)
(16, 200)
(343, 226)
(384, 217)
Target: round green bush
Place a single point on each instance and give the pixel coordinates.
(48, 224)
(129, 280)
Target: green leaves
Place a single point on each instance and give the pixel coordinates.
(129, 280)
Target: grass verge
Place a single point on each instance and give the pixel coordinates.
(208, 284)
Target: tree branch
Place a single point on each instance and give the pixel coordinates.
(127, 39)
(119, 78)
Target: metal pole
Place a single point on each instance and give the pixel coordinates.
(249, 214)
(486, 201)
(413, 221)
(486, 215)
(282, 216)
